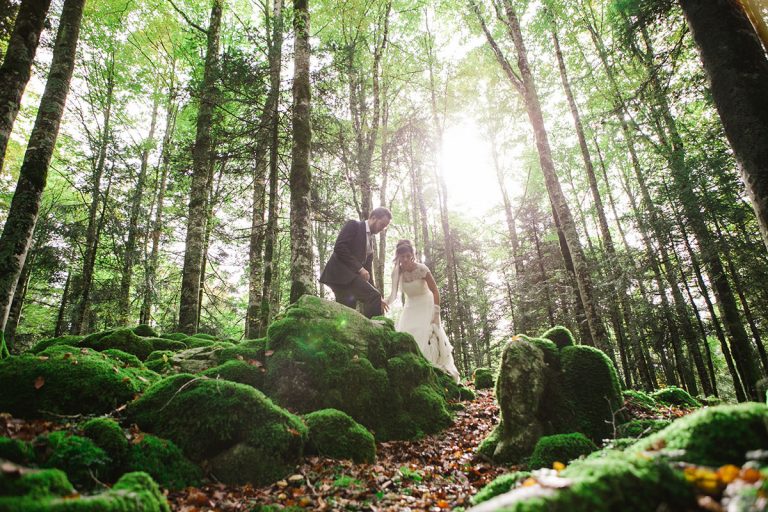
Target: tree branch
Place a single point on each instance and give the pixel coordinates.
(186, 18)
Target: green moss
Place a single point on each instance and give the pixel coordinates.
(451, 390)
(483, 378)
(193, 342)
(165, 344)
(121, 339)
(176, 336)
(324, 355)
(640, 428)
(488, 445)
(17, 451)
(560, 336)
(208, 418)
(34, 484)
(560, 448)
(204, 336)
(108, 436)
(145, 330)
(639, 399)
(66, 382)
(68, 340)
(500, 485)
(716, 435)
(164, 462)
(673, 395)
(238, 371)
(128, 360)
(591, 387)
(428, 409)
(83, 462)
(160, 361)
(246, 350)
(549, 349)
(335, 434)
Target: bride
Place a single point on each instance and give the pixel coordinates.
(421, 314)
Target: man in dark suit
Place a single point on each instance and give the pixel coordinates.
(348, 271)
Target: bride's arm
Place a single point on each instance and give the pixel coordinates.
(432, 285)
(395, 283)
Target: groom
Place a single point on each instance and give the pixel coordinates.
(348, 271)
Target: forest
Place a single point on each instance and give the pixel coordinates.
(586, 181)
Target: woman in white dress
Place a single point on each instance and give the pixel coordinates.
(421, 313)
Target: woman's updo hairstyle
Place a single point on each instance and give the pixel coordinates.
(404, 247)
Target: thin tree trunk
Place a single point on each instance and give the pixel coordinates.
(198, 195)
(17, 64)
(544, 278)
(382, 252)
(61, 327)
(17, 304)
(302, 269)
(25, 205)
(124, 300)
(157, 223)
(737, 67)
(256, 318)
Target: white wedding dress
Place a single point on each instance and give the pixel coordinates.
(416, 318)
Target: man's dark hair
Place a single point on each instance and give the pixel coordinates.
(380, 213)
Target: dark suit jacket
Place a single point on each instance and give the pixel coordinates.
(349, 255)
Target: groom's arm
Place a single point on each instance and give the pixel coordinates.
(343, 246)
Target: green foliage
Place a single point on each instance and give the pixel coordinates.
(410, 474)
(560, 336)
(560, 448)
(483, 378)
(15, 450)
(84, 463)
(246, 437)
(67, 382)
(640, 428)
(164, 462)
(673, 395)
(237, 371)
(500, 485)
(639, 399)
(334, 434)
(591, 387)
(716, 435)
(329, 356)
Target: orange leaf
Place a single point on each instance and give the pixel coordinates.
(443, 504)
(557, 465)
(750, 475)
(728, 473)
(39, 382)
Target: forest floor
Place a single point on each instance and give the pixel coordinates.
(435, 473)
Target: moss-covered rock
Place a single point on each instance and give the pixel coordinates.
(238, 371)
(64, 381)
(615, 482)
(163, 461)
(204, 336)
(109, 436)
(673, 395)
(325, 355)
(145, 330)
(452, 390)
(127, 360)
(160, 361)
(16, 450)
(483, 378)
(560, 448)
(84, 463)
(500, 485)
(176, 336)
(121, 339)
(335, 434)
(68, 340)
(32, 484)
(244, 436)
(591, 386)
(640, 428)
(716, 435)
(560, 336)
(166, 344)
(639, 399)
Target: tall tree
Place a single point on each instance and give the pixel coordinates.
(25, 205)
(198, 195)
(302, 270)
(17, 64)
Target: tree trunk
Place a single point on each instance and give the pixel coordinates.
(150, 276)
(124, 300)
(737, 68)
(267, 140)
(302, 269)
(25, 205)
(17, 304)
(17, 65)
(61, 327)
(198, 195)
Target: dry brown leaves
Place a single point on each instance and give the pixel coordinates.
(436, 473)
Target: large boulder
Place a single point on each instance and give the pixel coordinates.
(67, 380)
(323, 355)
(543, 390)
(232, 428)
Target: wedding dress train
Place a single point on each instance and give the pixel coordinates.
(416, 318)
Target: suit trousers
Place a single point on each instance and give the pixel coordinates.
(359, 290)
